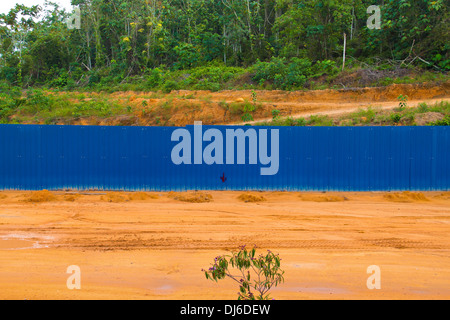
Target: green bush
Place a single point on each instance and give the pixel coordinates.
(270, 71)
(187, 56)
(293, 74)
(283, 75)
(169, 86)
(154, 79)
(442, 107)
(320, 121)
(395, 117)
(325, 67)
(37, 100)
(276, 115)
(212, 77)
(361, 116)
(247, 117)
(300, 122)
(248, 110)
(255, 274)
(386, 81)
(443, 122)
(10, 100)
(61, 81)
(94, 78)
(238, 108)
(422, 108)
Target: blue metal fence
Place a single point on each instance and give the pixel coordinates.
(35, 157)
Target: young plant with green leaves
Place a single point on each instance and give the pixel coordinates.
(275, 115)
(255, 274)
(402, 102)
(248, 110)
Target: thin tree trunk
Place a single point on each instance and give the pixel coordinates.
(345, 47)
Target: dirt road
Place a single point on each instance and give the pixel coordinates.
(155, 248)
(304, 110)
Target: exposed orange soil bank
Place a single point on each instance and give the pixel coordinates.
(180, 108)
(154, 247)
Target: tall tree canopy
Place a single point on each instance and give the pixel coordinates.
(129, 37)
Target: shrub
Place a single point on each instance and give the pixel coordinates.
(248, 110)
(293, 74)
(94, 78)
(297, 73)
(300, 122)
(212, 77)
(36, 100)
(10, 100)
(386, 81)
(236, 108)
(275, 115)
(284, 75)
(395, 117)
(257, 274)
(247, 117)
(408, 118)
(169, 86)
(443, 122)
(319, 120)
(271, 71)
(154, 79)
(325, 67)
(442, 107)
(422, 108)
(362, 116)
(60, 81)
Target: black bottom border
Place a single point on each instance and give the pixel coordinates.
(201, 309)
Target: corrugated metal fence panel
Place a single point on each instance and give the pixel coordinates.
(34, 157)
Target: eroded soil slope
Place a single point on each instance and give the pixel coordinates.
(180, 108)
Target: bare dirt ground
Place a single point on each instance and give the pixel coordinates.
(154, 245)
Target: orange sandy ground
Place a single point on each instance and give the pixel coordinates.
(156, 248)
